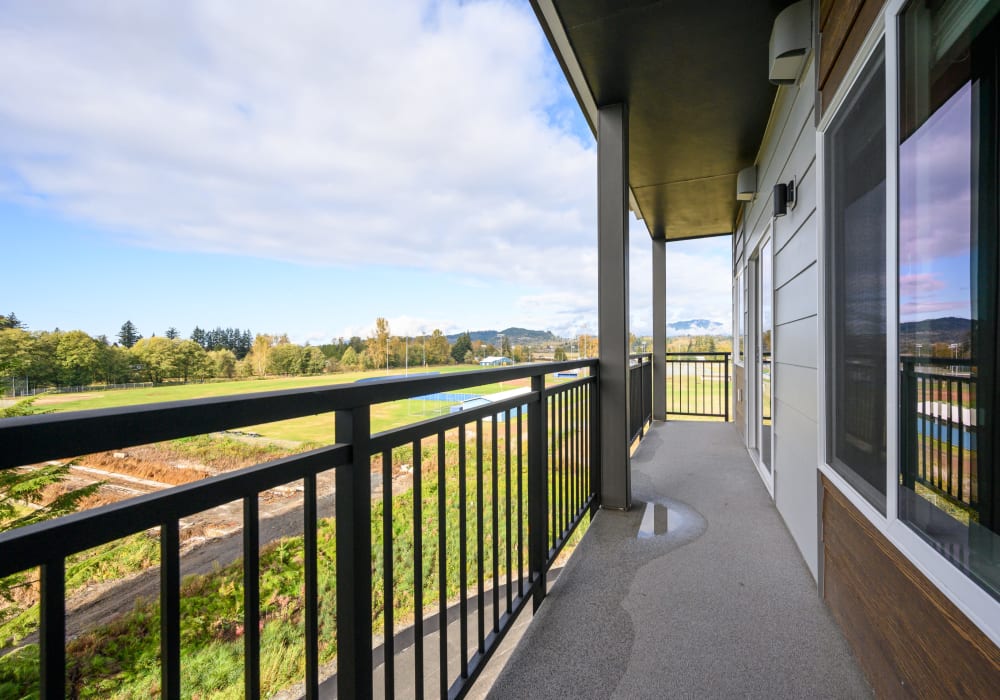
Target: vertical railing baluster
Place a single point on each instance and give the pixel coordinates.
(309, 522)
(520, 503)
(354, 553)
(463, 567)
(251, 597)
(508, 417)
(442, 566)
(554, 487)
(951, 425)
(495, 549)
(170, 610)
(961, 446)
(537, 487)
(52, 629)
(388, 592)
(480, 550)
(418, 571)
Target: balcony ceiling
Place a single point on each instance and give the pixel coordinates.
(694, 76)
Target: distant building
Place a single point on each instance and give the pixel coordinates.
(495, 361)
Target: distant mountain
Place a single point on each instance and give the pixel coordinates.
(948, 329)
(517, 336)
(697, 326)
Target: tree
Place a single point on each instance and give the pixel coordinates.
(157, 358)
(284, 358)
(190, 359)
(128, 335)
(10, 321)
(222, 363)
(378, 343)
(171, 334)
(349, 359)
(437, 348)
(198, 336)
(461, 348)
(313, 361)
(78, 357)
(560, 354)
(259, 352)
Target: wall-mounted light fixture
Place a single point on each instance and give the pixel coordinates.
(746, 184)
(791, 39)
(784, 197)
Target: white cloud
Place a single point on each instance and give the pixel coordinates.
(429, 135)
(412, 134)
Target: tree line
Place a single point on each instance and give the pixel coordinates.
(74, 358)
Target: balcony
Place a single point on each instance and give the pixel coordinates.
(676, 593)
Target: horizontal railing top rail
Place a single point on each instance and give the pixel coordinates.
(924, 360)
(33, 439)
(712, 353)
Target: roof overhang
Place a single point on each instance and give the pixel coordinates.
(694, 75)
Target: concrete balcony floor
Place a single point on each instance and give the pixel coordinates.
(719, 605)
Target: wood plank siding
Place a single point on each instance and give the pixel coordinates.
(842, 26)
(910, 640)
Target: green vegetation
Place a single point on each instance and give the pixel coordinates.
(120, 658)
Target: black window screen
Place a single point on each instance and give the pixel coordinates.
(855, 295)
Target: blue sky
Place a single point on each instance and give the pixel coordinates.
(191, 163)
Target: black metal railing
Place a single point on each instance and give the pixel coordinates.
(938, 428)
(534, 479)
(640, 376)
(698, 384)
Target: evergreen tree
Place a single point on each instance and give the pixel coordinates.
(462, 347)
(10, 321)
(128, 335)
(172, 333)
(198, 336)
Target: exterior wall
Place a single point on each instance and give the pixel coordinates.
(908, 637)
(841, 29)
(789, 153)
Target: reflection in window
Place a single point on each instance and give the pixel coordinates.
(947, 293)
(856, 331)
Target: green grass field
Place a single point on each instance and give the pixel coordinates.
(312, 429)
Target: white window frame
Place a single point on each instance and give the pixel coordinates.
(974, 601)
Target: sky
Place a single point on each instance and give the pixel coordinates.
(184, 163)
(935, 214)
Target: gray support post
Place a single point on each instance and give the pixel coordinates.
(612, 304)
(659, 329)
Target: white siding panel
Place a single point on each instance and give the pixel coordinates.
(798, 388)
(797, 298)
(795, 343)
(798, 254)
(795, 479)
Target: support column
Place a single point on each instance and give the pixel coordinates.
(659, 329)
(612, 304)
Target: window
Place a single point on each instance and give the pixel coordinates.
(948, 222)
(855, 256)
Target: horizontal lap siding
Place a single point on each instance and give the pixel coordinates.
(790, 154)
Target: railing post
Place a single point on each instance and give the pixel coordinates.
(538, 499)
(725, 371)
(354, 551)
